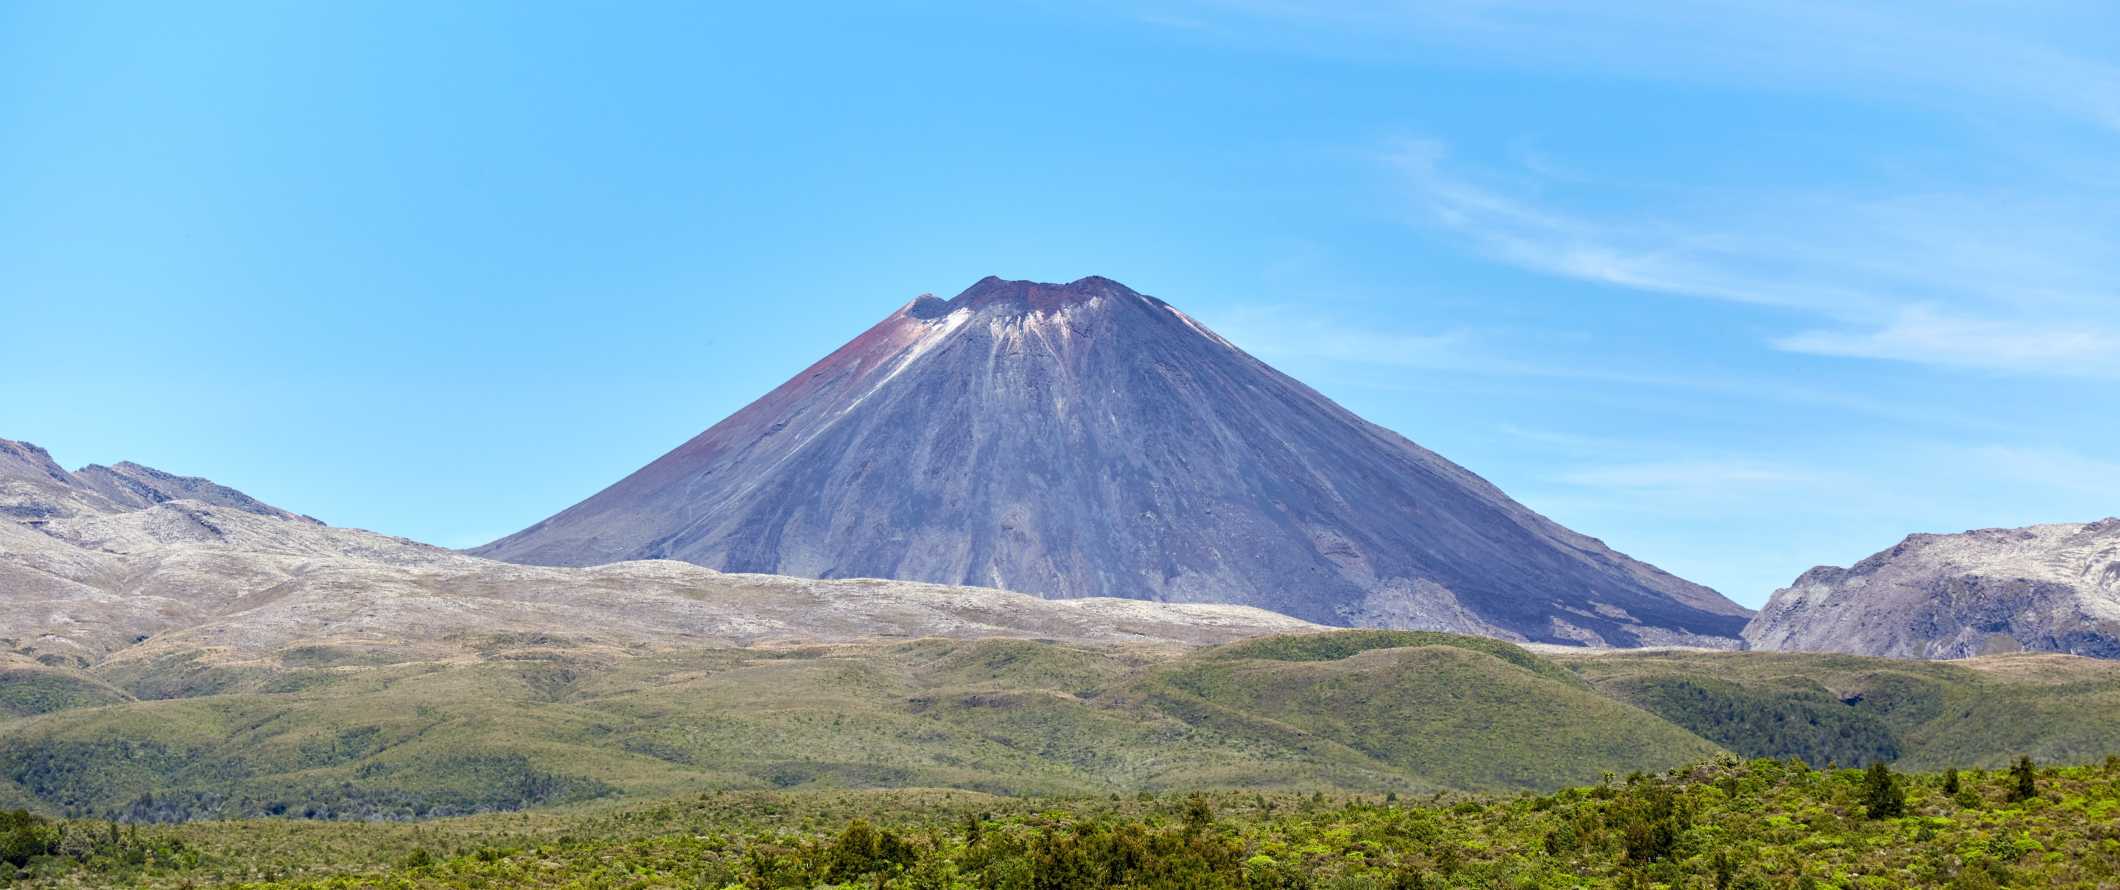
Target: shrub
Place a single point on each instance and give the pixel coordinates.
(862, 850)
(1881, 795)
(25, 836)
(1649, 823)
(2024, 781)
(1199, 814)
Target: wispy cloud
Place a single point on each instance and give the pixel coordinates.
(1901, 480)
(1995, 284)
(1286, 331)
(2057, 469)
(1647, 256)
(1295, 332)
(2042, 56)
(1693, 477)
(2010, 264)
(1920, 334)
(1568, 442)
(1897, 183)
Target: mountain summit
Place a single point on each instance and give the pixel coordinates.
(1084, 439)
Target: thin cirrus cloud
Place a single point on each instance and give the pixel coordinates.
(1284, 332)
(2001, 261)
(2068, 485)
(1908, 207)
(2057, 469)
(1953, 281)
(1920, 334)
(1706, 476)
(1289, 331)
(2044, 56)
(2070, 480)
(1637, 256)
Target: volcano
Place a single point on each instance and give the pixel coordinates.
(1087, 440)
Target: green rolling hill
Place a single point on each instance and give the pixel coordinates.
(523, 722)
(1981, 712)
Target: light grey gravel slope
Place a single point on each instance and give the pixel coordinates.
(2047, 588)
(85, 579)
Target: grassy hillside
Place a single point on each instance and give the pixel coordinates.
(1731, 824)
(339, 733)
(28, 688)
(1457, 712)
(1345, 644)
(1853, 710)
(348, 731)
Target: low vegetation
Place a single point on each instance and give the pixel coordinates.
(1853, 711)
(510, 724)
(545, 722)
(28, 691)
(1730, 824)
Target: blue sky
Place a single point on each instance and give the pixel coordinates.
(1741, 289)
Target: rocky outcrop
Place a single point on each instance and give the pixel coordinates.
(35, 487)
(132, 485)
(28, 463)
(2047, 588)
(1087, 440)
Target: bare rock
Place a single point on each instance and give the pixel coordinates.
(133, 485)
(2047, 588)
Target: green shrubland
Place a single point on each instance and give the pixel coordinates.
(1731, 824)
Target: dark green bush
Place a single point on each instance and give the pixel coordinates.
(2024, 781)
(25, 836)
(862, 850)
(1882, 797)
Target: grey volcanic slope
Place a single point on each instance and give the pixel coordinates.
(1086, 440)
(2047, 588)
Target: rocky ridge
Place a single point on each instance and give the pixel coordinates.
(2046, 588)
